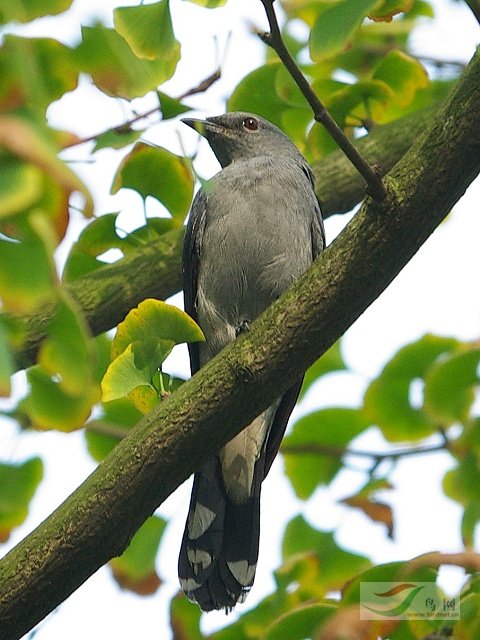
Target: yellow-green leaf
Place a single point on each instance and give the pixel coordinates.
(27, 10)
(148, 30)
(385, 11)
(21, 186)
(155, 320)
(210, 4)
(26, 142)
(126, 374)
(157, 172)
(403, 74)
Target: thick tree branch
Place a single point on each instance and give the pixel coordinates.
(274, 39)
(96, 522)
(107, 295)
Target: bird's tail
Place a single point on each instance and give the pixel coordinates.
(219, 551)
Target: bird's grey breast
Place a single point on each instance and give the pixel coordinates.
(259, 216)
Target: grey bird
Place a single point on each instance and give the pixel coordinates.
(251, 233)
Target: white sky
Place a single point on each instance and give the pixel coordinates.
(436, 293)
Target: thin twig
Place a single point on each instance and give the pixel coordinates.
(125, 126)
(375, 186)
(338, 452)
(107, 429)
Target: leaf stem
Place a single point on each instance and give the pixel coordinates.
(375, 186)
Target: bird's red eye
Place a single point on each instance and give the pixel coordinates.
(251, 124)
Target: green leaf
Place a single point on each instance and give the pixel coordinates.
(185, 618)
(154, 171)
(300, 623)
(449, 385)
(6, 358)
(48, 406)
(115, 69)
(96, 238)
(66, 351)
(468, 626)
(470, 520)
(462, 482)
(331, 361)
(148, 30)
(330, 429)
(337, 566)
(21, 186)
(387, 400)
(171, 107)
(335, 26)
(390, 572)
(135, 568)
(19, 259)
(18, 483)
(32, 70)
(117, 138)
(403, 74)
(119, 416)
(270, 93)
(27, 10)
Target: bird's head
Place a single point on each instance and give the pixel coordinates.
(239, 136)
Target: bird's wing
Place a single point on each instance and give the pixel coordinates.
(289, 399)
(192, 247)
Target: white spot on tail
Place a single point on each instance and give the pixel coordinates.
(199, 557)
(243, 572)
(199, 521)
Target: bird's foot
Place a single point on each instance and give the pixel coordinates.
(242, 327)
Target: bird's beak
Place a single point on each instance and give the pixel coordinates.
(198, 125)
